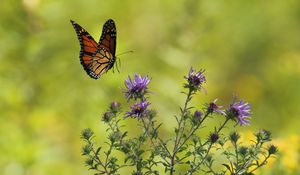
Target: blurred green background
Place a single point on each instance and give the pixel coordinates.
(248, 48)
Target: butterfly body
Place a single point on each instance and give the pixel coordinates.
(97, 58)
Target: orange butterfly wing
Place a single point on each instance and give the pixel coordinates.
(109, 37)
(97, 58)
(101, 63)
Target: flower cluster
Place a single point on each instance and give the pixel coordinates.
(147, 151)
(136, 89)
(237, 111)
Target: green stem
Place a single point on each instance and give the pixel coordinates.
(208, 150)
(108, 153)
(151, 139)
(211, 170)
(261, 164)
(193, 131)
(178, 137)
(236, 153)
(98, 160)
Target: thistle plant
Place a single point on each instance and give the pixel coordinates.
(185, 151)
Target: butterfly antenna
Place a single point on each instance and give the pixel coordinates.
(118, 61)
(130, 51)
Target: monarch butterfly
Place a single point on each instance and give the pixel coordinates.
(97, 58)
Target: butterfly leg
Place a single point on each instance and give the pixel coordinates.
(119, 60)
(117, 65)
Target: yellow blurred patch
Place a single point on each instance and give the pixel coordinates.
(289, 150)
(247, 137)
(31, 4)
(288, 147)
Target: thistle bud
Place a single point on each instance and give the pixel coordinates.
(115, 107)
(272, 149)
(234, 137)
(87, 134)
(214, 137)
(107, 116)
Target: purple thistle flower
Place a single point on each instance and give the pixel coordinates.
(198, 115)
(214, 108)
(137, 87)
(240, 112)
(138, 110)
(195, 79)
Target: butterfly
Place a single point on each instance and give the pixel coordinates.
(97, 58)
